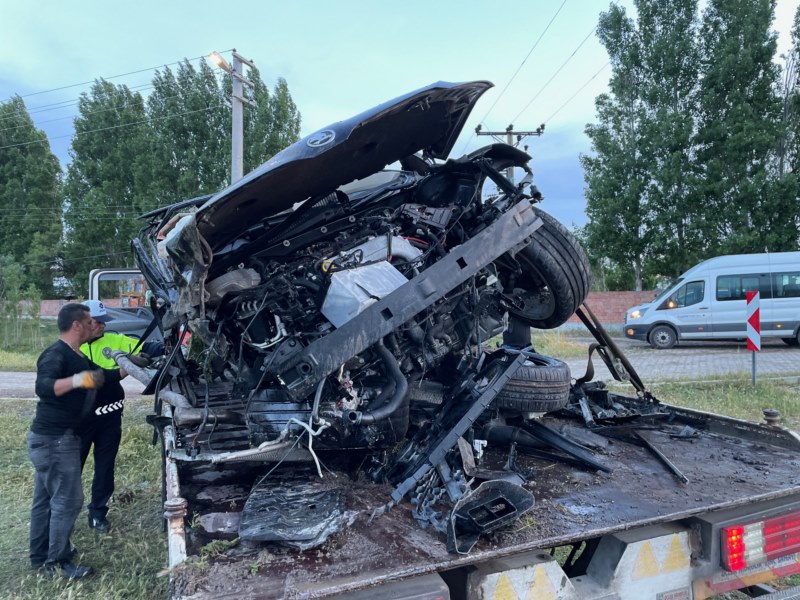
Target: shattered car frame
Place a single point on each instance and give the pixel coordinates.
(339, 315)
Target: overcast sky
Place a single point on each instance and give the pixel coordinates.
(339, 58)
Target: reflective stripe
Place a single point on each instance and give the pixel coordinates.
(109, 408)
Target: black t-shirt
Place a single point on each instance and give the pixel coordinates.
(56, 414)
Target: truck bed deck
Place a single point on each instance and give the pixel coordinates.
(727, 463)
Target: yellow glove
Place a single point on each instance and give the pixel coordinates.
(88, 379)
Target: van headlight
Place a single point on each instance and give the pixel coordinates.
(635, 314)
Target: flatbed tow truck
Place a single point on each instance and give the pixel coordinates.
(688, 505)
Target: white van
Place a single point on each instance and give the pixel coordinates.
(708, 301)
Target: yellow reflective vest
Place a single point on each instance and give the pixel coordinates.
(115, 341)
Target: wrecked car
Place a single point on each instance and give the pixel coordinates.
(341, 299)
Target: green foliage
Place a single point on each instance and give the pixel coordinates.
(131, 156)
(692, 156)
(111, 137)
(30, 204)
(738, 130)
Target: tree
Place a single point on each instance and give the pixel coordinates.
(670, 63)
(190, 122)
(104, 190)
(30, 203)
(272, 124)
(738, 130)
(616, 173)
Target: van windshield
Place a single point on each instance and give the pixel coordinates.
(671, 286)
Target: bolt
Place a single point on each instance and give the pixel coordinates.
(771, 416)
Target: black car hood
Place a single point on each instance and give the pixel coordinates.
(428, 120)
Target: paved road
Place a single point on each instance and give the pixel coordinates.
(20, 385)
(700, 360)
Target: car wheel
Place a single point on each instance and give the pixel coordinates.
(663, 337)
(555, 276)
(541, 384)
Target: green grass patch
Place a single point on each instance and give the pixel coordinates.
(129, 559)
(551, 342)
(734, 397)
(22, 341)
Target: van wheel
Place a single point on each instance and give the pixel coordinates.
(792, 341)
(663, 337)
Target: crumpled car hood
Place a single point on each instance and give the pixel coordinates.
(428, 120)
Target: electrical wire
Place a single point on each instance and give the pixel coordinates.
(72, 135)
(544, 87)
(535, 44)
(580, 89)
(72, 85)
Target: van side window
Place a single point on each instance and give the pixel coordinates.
(786, 285)
(735, 287)
(688, 294)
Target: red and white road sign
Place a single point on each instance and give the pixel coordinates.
(753, 322)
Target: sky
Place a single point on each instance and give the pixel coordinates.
(340, 58)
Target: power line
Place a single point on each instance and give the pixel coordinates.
(580, 89)
(542, 89)
(72, 85)
(72, 135)
(535, 44)
(86, 114)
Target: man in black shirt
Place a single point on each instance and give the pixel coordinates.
(65, 385)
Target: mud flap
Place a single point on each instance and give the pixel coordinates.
(298, 514)
(490, 506)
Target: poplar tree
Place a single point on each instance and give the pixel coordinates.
(30, 204)
(738, 130)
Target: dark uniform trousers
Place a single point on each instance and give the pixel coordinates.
(105, 432)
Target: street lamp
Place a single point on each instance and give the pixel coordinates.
(238, 81)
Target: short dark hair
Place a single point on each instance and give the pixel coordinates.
(70, 313)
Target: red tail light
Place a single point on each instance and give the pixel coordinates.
(755, 543)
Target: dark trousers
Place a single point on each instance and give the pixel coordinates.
(104, 432)
(57, 495)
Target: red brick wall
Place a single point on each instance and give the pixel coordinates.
(610, 307)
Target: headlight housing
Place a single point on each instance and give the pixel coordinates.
(635, 314)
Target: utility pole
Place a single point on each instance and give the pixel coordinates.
(510, 133)
(238, 81)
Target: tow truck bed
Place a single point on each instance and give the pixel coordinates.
(729, 463)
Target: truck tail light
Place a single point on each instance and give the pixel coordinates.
(755, 543)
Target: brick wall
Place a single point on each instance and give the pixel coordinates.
(610, 307)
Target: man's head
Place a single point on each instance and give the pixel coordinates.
(100, 317)
(74, 323)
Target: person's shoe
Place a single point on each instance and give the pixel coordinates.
(99, 524)
(66, 569)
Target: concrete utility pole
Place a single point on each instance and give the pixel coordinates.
(510, 133)
(238, 81)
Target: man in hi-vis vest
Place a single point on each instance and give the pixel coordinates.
(104, 427)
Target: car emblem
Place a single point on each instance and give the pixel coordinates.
(321, 138)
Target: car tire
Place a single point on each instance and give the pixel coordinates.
(541, 384)
(555, 278)
(662, 337)
(792, 341)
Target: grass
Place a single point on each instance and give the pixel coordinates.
(22, 342)
(128, 560)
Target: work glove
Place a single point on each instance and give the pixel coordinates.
(89, 380)
(141, 360)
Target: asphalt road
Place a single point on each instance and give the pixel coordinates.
(690, 360)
